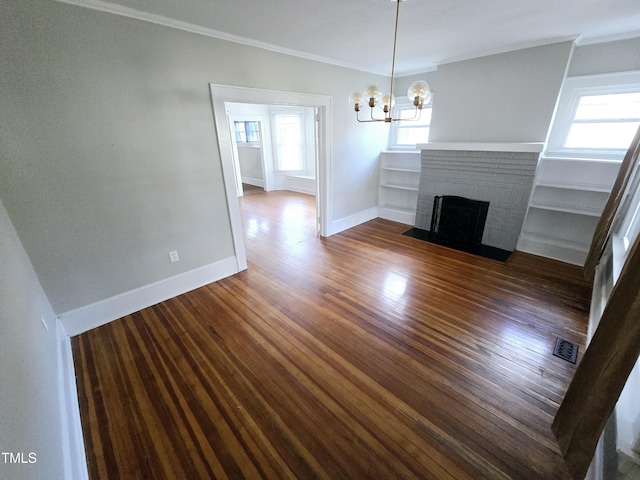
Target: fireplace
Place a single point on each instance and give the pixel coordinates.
(458, 222)
(500, 173)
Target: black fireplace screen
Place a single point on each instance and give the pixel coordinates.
(458, 222)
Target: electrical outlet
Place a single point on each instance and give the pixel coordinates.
(44, 323)
(173, 256)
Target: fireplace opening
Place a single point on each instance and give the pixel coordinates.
(458, 222)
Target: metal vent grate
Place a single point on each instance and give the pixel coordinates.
(566, 350)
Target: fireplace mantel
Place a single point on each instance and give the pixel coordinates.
(482, 147)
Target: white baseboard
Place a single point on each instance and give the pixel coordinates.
(301, 184)
(75, 460)
(351, 221)
(256, 182)
(91, 316)
(396, 215)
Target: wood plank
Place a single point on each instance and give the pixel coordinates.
(367, 354)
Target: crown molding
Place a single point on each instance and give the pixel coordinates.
(582, 41)
(128, 12)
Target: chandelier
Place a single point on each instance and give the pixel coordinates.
(418, 93)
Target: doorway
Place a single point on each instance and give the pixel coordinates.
(221, 95)
(274, 147)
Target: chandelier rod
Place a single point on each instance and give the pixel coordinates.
(393, 58)
(418, 92)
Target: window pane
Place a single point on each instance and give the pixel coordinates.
(289, 135)
(289, 156)
(252, 131)
(409, 113)
(411, 132)
(241, 136)
(601, 135)
(620, 106)
(412, 136)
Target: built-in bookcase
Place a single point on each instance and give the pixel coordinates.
(566, 203)
(399, 182)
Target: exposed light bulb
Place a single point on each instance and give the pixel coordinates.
(373, 94)
(357, 100)
(387, 101)
(419, 93)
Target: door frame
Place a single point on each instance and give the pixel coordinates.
(220, 95)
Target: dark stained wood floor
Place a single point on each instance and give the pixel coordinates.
(365, 355)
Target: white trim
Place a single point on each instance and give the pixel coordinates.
(209, 32)
(222, 94)
(351, 221)
(104, 311)
(482, 147)
(396, 215)
(300, 184)
(75, 460)
(256, 182)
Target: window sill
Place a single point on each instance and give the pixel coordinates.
(408, 148)
(587, 155)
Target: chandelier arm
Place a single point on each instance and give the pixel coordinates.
(416, 116)
(373, 119)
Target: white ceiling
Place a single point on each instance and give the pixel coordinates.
(359, 33)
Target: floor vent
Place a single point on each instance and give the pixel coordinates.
(566, 350)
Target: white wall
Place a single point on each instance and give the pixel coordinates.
(109, 157)
(250, 159)
(509, 97)
(30, 406)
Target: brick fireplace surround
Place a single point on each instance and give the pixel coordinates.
(500, 173)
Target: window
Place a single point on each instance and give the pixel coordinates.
(289, 135)
(604, 121)
(597, 117)
(247, 132)
(406, 134)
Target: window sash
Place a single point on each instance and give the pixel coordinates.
(588, 122)
(247, 131)
(406, 134)
(289, 143)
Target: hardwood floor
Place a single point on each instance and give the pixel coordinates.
(365, 355)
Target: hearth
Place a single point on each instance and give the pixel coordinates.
(458, 222)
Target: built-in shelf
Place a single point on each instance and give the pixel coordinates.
(558, 207)
(399, 183)
(396, 169)
(567, 199)
(561, 249)
(400, 187)
(583, 187)
(576, 245)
